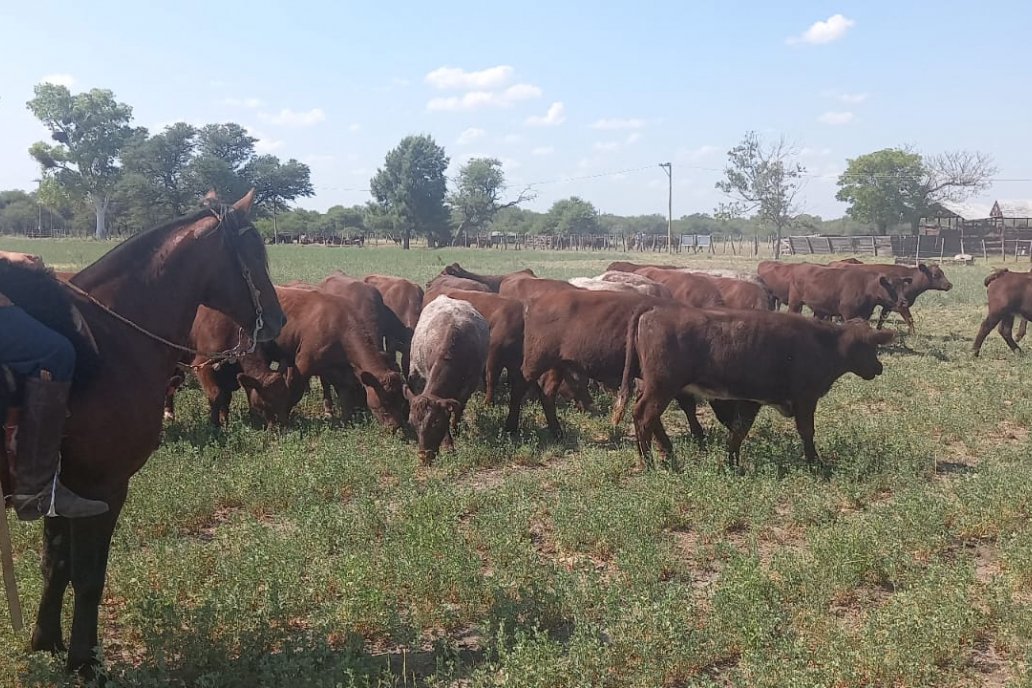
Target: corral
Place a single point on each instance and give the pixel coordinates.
(323, 555)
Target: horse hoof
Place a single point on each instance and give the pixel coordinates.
(51, 643)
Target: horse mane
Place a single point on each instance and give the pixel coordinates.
(151, 247)
(40, 294)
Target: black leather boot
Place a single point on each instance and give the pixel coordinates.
(37, 491)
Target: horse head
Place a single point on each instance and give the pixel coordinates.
(242, 288)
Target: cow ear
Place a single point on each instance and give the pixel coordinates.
(885, 282)
(248, 383)
(369, 380)
(407, 391)
(452, 405)
(881, 337)
(924, 268)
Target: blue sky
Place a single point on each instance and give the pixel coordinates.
(566, 94)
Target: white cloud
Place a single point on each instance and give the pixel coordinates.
(617, 123)
(291, 118)
(697, 154)
(633, 137)
(606, 146)
(317, 158)
(853, 97)
(454, 78)
(473, 100)
(353, 128)
(543, 150)
(66, 80)
(250, 103)
(264, 144)
(832, 29)
(556, 115)
(470, 135)
(836, 118)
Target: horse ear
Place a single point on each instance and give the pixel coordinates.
(245, 203)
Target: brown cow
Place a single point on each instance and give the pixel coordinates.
(405, 299)
(922, 278)
(576, 331)
(688, 288)
(1010, 295)
(449, 352)
(847, 293)
(493, 282)
(505, 350)
(847, 261)
(443, 283)
(367, 303)
(777, 277)
(325, 338)
(267, 367)
(744, 359)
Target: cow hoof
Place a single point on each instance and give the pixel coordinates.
(47, 642)
(170, 417)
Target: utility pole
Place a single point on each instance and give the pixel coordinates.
(668, 168)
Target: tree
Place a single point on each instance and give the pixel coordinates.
(275, 182)
(571, 216)
(762, 179)
(897, 185)
(222, 152)
(411, 188)
(476, 202)
(156, 182)
(90, 130)
(878, 186)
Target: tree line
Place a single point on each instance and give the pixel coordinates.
(100, 170)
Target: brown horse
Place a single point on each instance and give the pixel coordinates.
(156, 280)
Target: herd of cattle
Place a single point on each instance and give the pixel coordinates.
(657, 333)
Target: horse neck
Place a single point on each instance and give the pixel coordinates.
(160, 290)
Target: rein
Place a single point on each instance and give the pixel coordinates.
(214, 358)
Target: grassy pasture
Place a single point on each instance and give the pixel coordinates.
(323, 556)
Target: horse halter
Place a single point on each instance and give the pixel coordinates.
(213, 358)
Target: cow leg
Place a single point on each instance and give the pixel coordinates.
(56, 568)
(908, 318)
(492, 373)
(688, 404)
(987, 326)
(1006, 327)
(517, 390)
(883, 316)
(647, 413)
(549, 384)
(804, 425)
(738, 417)
(327, 396)
(90, 545)
(1022, 326)
(219, 398)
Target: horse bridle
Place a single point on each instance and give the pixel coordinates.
(214, 358)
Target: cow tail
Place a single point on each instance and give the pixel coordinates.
(994, 275)
(631, 366)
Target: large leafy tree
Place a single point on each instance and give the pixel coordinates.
(277, 182)
(762, 179)
(90, 129)
(880, 185)
(410, 188)
(223, 150)
(569, 216)
(156, 182)
(899, 185)
(477, 198)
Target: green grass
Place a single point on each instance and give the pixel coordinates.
(322, 556)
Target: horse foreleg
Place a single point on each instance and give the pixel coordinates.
(56, 569)
(90, 545)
